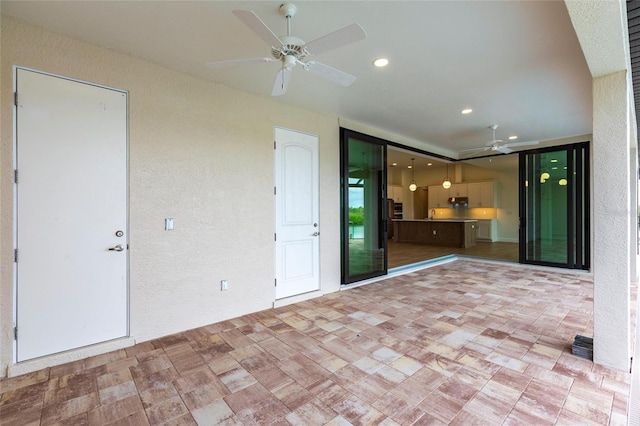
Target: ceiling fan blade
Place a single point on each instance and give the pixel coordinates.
(346, 35)
(486, 148)
(522, 143)
(282, 82)
(330, 73)
(256, 25)
(221, 64)
(503, 149)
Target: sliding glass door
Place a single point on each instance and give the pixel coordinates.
(363, 206)
(554, 207)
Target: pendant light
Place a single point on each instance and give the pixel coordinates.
(412, 185)
(446, 182)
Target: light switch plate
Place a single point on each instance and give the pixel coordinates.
(168, 224)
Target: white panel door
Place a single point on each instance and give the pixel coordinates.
(71, 157)
(297, 213)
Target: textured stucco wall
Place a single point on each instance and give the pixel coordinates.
(601, 28)
(201, 153)
(612, 218)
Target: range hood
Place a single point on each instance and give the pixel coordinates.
(459, 201)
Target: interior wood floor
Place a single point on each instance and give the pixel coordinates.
(463, 343)
(401, 254)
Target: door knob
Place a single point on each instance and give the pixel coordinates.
(119, 247)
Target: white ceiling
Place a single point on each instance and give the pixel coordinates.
(516, 63)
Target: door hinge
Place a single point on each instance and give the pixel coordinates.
(15, 98)
(15, 333)
(15, 176)
(15, 255)
(275, 281)
(275, 238)
(274, 144)
(274, 190)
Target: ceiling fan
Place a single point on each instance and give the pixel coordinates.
(290, 50)
(497, 144)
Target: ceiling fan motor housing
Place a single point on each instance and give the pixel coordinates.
(291, 46)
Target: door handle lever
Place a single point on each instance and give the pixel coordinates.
(119, 247)
(315, 234)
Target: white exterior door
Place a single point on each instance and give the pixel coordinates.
(297, 213)
(71, 221)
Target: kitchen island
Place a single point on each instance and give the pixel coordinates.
(436, 232)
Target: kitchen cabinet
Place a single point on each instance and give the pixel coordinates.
(438, 197)
(470, 229)
(486, 230)
(458, 190)
(444, 233)
(395, 192)
(481, 194)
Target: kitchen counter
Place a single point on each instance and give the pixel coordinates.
(436, 232)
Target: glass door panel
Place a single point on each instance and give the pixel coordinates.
(364, 211)
(554, 207)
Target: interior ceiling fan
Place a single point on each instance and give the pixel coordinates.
(290, 50)
(497, 144)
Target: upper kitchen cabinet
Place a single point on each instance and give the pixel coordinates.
(458, 190)
(395, 193)
(481, 194)
(438, 197)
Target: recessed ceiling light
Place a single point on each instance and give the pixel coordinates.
(409, 166)
(554, 168)
(381, 62)
(513, 137)
(554, 161)
(394, 164)
(466, 111)
(429, 164)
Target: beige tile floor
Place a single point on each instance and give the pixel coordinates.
(462, 343)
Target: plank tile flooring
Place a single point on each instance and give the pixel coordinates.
(463, 343)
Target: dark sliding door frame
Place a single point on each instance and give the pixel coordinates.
(578, 249)
(378, 230)
(578, 234)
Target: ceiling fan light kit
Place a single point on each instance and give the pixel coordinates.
(291, 50)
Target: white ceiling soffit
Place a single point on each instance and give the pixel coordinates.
(515, 63)
(602, 30)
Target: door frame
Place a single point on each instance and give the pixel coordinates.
(578, 206)
(383, 214)
(126, 339)
(278, 166)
